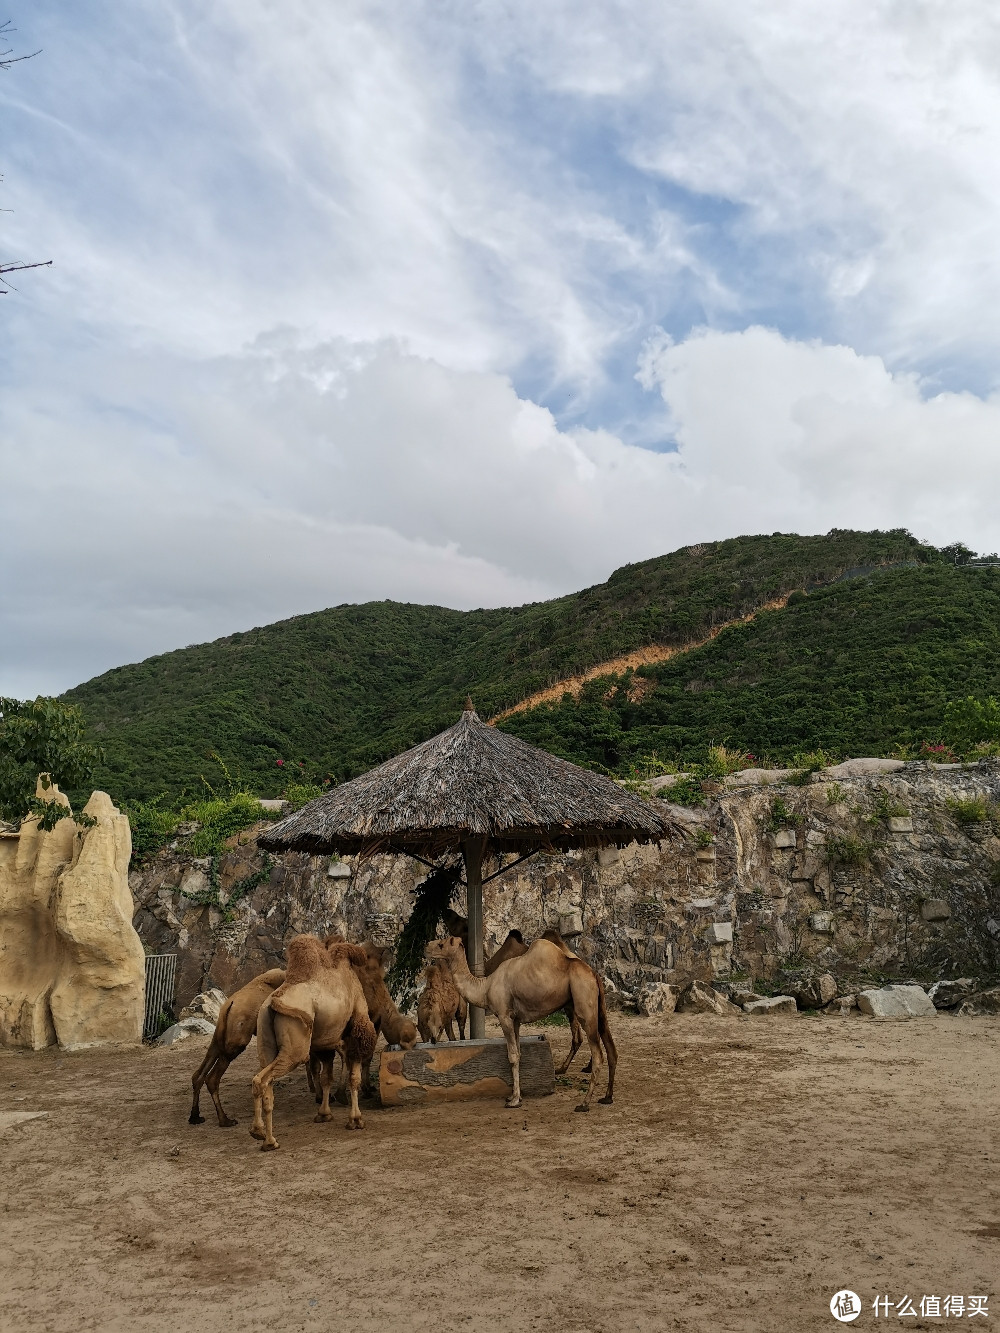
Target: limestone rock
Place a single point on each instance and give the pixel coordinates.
(72, 968)
(720, 932)
(758, 777)
(862, 768)
(205, 1005)
(843, 1006)
(657, 998)
(741, 994)
(900, 824)
(700, 998)
(771, 1004)
(896, 1002)
(935, 909)
(821, 923)
(949, 994)
(983, 1002)
(187, 1027)
(784, 838)
(811, 990)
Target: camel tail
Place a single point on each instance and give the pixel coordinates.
(267, 1043)
(607, 1041)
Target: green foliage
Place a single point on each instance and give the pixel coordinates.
(556, 1020)
(685, 791)
(969, 721)
(212, 896)
(152, 826)
(430, 899)
(885, 807)
(41, 736)
(345, 688)
(299, 794)
(781, 816)
(847, 850)
(835, 794)
(221, 818)
(970, 810)
(703, 837)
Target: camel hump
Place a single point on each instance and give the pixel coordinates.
(353, 953)
(281, 1003)
(307, 958)
(274, 977)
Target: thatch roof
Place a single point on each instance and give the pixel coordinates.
(470, 780)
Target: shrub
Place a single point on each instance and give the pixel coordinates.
(884, 807)
(685, 791)
(298, 794)
(703, 837)
(847, 850)
(780, 816)
(220, 818)
(969, 810)
(152, 827)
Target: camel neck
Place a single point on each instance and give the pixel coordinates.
(469, 987)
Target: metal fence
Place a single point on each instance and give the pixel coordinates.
(161, 972)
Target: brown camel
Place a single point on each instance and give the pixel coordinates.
(440, 1004)
(236, 1024)
(320, 1007)
(524, 989)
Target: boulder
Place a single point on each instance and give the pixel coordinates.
(949, 994)
(187, 1027)
(771, 1004)
(758, 777)
(742, 994)
(657, 998)
(700, 998)
(935, 909)
(205, 1005)
(983, 1002)
(842, 1006)
(862, 768)
(896, 1002)
(810, 989)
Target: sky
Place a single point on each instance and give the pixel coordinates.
(472, 303)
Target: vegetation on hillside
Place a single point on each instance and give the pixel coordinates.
(342, 689)
(871, 665)
(41, 736)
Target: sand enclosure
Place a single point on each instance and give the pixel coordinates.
(749, 1169)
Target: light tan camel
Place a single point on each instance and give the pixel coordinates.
(236, 1024)
(320, 1007)
(440, 1004)
(524, 989)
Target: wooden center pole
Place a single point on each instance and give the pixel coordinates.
(472, 853)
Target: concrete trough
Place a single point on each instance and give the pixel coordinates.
(456, 1071)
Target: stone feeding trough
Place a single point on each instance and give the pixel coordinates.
(464, 1071)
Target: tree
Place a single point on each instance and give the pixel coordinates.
(41, 736)
(7, 58)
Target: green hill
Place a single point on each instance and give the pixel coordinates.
(349, 686)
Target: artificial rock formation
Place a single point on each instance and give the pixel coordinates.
(72, 968)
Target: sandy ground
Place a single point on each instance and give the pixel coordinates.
(749, 1169)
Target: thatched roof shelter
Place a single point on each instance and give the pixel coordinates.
(469, 781)
(476, 790)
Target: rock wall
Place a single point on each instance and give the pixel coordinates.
(863, 873)
(72, 968)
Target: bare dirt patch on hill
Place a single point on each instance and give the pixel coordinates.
(748, 1170)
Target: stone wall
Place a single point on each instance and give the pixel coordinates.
(843, 882)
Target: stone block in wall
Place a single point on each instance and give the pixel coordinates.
(935, 909)
(784, 838)
(720, 932)
(338, 870)
(821, 923)
(900, 824)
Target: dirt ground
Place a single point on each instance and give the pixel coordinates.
(748, 1170)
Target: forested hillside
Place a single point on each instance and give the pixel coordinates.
(343, 688)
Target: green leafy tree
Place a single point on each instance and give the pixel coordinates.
(41, 736)
(968, 721)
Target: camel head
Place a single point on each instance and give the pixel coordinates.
(450, 949)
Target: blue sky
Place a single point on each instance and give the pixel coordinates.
(471, 303)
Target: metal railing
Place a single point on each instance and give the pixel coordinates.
(161, 974)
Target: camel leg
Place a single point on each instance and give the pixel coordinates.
(587, 1007)
(576, 1041)
(463, 1014)
(449, 1028)
(325, 1070)
(354, 1120)
(512, 1033)
(199, 1076)
(263, 1098)
(212, 1083)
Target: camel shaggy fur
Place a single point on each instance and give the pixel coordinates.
(236, 1024)
(536, 984)
(319, 1008)
(440, 1004)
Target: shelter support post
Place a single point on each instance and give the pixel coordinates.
(472, 853)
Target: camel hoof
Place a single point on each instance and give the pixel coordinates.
(606, 1101)
(256, 1133)
(269, 1147)
(511, 1104)
(582, 1107)
(355, 1124)
(196, 1119)
(320, 1118)
(228, 1122)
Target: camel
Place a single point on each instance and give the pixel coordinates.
(236, 1024)
(319, 1008)
(440, 1004)
(529, 987)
